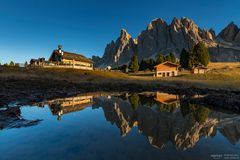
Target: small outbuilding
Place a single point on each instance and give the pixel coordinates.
(200, 69)
(37, 62)
(166, 69)
(108, 68)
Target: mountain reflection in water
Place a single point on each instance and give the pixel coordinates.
(11, 118)
(161, 117)
(170, 123)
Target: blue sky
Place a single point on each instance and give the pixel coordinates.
(33, 28)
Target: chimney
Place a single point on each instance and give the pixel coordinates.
(60, 49)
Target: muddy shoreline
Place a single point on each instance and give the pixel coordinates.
(29, 91)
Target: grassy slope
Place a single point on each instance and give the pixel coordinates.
(221, 76)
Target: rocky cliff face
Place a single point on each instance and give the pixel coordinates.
(11, 118)
(232, 131)
(228, 47)
(118, 52)
(181, 33)
(161, 37)
(230, 33)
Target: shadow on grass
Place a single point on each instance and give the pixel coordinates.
(142, 74)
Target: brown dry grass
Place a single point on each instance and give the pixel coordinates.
(222, 65)
(220, 77)
(60, 74)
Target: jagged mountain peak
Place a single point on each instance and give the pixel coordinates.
(112, 42)
(189, 25)
(211, 30)
(230, 32)
(176, 21)
(156, 22)
(181, 20)
(186, 20)
(124, 35)
(160, 37)
(232, 24)
(124, 32)
(183, 23)
(119, 51)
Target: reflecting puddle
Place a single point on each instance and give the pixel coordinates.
(118, 126)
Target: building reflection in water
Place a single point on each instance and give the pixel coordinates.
(161, 117)
(166, 98)
(63, 106)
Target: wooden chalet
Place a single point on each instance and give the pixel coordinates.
(64, 58)
(166, 69)
(200, 69)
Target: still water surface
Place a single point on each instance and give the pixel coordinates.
(129, 126)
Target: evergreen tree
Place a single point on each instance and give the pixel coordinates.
(168, 58)
(147, 64)
(185, 59)
(134, 66)
(190, 60)
(173, 58)
(160, 58)
(143, 65)
(134, 100)
(201, 114)
(26, 64)
(11, 63)
(151, 64)
(200, 54)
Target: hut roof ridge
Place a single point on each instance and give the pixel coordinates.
(168, 63)
(70, 55)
